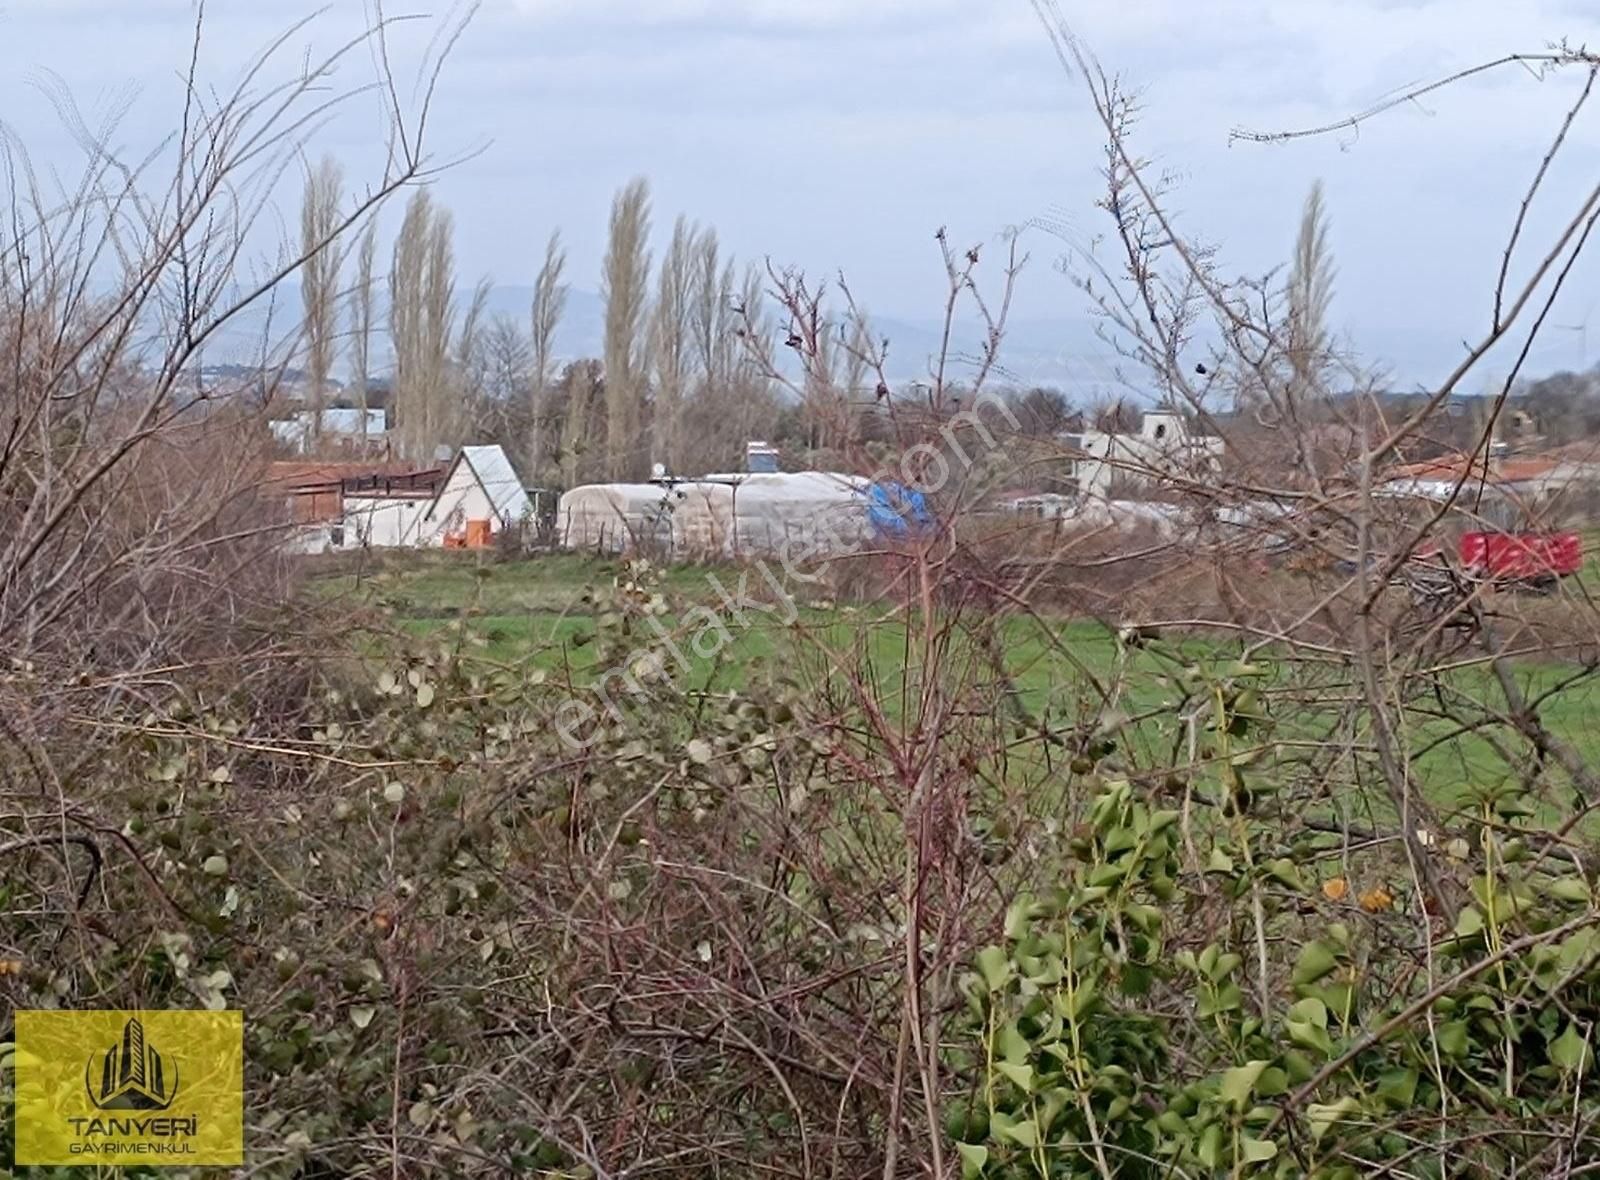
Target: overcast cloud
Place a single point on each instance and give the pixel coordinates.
(842, 133)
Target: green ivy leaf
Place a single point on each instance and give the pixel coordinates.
(1571, 1051)
(1574, 889)
(1452, 1037)
(1271, 1083)
(1579, 949)
(1018, 916)
(1020, 1075)
(1298, 1066)
(1240, 1081)
(1316, 960)
(1324, 1116)
(1012, 1045)
(973, 1159)
(1019, 1131)
(995, 967)
(1283, 870)
(1398, 1086)
(1161, 820)
(1257, 1151)
(1307, 1025)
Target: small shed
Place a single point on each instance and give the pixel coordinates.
(385, 519)
(482, 495)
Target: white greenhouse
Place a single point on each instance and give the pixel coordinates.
(743, 515)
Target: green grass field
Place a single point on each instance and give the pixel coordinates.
(541, 612)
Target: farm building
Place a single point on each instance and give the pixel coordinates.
(482, 496)
(724, 515)
(384, 513)
(1449, 477)
(318, 496)
(1163, 447)
(1511, 492)
(354, 505)
(346, 429)
(1043, 505)
(616, 517)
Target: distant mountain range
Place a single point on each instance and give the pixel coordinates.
(1064, 352)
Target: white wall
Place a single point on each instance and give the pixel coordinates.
(1135, 457)
(462, 499)
(383, 522)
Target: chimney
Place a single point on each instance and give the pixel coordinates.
(760, 459)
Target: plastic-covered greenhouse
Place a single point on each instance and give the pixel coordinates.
(816, 512)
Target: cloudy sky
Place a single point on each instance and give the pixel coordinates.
(841, 133)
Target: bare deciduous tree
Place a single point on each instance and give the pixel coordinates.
(508, 360)
(711, 319)
(124, 512)
(624, 287)
(745, 383)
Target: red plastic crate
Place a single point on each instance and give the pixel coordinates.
(1521, 557)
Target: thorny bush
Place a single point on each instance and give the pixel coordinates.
(466, 947)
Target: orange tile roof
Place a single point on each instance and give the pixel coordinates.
(1456, 467)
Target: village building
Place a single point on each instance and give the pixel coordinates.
(359, 505)
(1163, 449)
(481, 497)
(346, 430)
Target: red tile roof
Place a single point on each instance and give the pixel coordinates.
(1456, 468)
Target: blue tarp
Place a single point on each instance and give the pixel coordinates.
(898, 512)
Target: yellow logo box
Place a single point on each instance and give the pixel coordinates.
(124, 1088)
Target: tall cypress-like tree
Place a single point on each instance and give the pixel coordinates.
(549, 304)
(1309, 343)
(361, 320)
(624, 287)
(421, 322)
(671, 347)
(319, 281)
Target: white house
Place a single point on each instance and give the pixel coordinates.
(1163, 447)
(343, 427)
